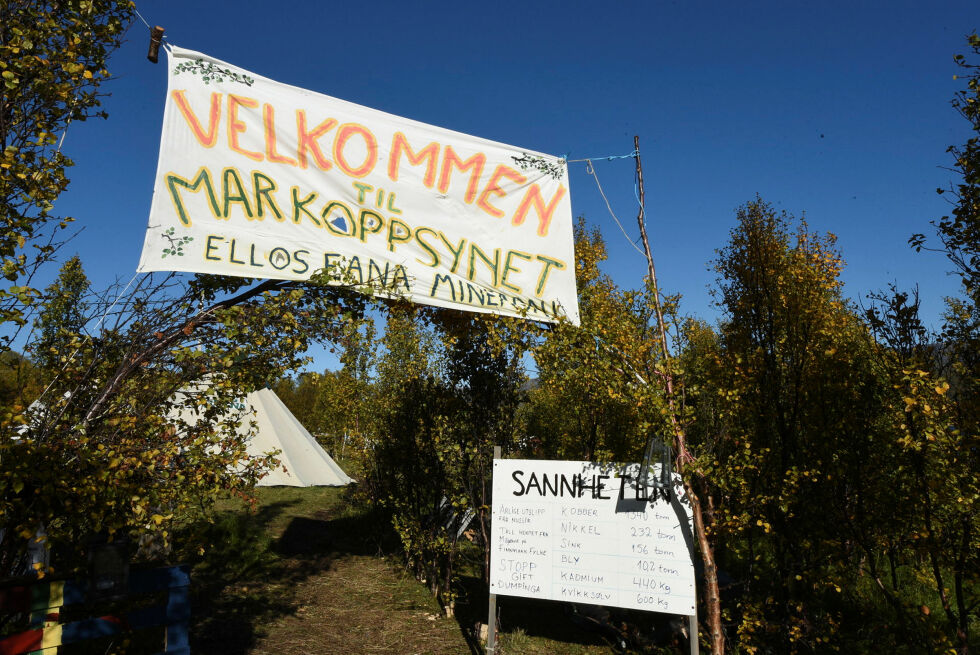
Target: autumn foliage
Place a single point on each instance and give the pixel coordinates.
(834, 447)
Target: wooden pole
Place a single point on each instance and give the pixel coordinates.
(712, 595)
(651, 270)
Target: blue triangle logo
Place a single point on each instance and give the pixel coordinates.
(340, 223)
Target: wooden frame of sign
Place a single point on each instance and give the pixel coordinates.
(590, 533)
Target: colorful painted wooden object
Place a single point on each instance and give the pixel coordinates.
(44, 600)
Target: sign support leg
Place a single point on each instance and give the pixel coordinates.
(492, 619)
(692, 632)
(492, 626)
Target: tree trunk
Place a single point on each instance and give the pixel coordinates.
(712, 595)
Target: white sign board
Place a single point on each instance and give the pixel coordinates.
(588, 533)
(261, 179)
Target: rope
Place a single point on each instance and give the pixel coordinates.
(64, 132)
(74, 99)
(163, 38)
(88, 337)
(138, 14)
(610, 158)
(591, 171)
(616, 351)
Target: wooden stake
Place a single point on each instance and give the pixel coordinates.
(156, 38)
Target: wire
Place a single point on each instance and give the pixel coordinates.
(141, 17)
(163, 37)
(88, 337)
(590, 169)
(71, 109)
(610, 158)
(64, 132)
(619, 353)
(98, 324)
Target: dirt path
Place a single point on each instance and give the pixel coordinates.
(303, 574)
(361, 605)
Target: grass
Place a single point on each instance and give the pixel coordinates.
(304, 574)
(307, 572)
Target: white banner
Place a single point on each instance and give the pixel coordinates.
(261, 179)
(590, 533)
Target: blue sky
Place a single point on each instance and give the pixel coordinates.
(832, 109)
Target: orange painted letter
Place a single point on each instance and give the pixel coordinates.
(306, 140)
(206, 139)
(344, 133)
(235, 126)
(533, 197)
(493, 188)
(400, 144)
(269, 119)
(450, 160)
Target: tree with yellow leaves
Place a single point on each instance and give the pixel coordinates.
(792, 370)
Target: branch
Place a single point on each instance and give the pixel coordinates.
(171, 336)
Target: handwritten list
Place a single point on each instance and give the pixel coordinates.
(589, 533)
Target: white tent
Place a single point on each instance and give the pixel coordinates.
(302, 461)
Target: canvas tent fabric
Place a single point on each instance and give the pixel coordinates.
(302, 461)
